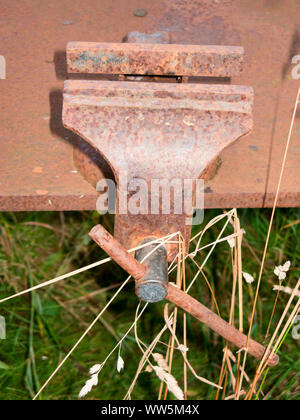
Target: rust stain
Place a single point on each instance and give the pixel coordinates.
(157, 131)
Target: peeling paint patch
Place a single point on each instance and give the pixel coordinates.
(101, 58)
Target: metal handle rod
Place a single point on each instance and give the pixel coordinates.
(138, 271)
(117, 252)
(217, 324)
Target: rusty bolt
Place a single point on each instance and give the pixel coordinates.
(153, 287)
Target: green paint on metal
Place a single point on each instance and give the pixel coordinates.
(98, 59)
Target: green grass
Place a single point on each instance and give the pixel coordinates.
(43, 326)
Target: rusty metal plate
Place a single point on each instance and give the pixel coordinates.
(36, 155)
(154, 59)
(156, 131)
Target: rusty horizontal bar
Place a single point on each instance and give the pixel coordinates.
(86, 198)
(154, 59)
(159, 95)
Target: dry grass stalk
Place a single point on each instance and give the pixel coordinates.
(263, 364)
(213, 246)
(269, 229)
(237, 228)
(224, 368)
(233, 358)
(233, 380)
(163, 240)
(144, 360)
(180, 347)
(178, 284)
(208, 284)
(287, 290)
(162, 384)
(170, 381)
(233, 396)
(183, 350)
(160, 360)
(81, 338)
(120, 363)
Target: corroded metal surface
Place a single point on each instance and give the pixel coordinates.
(36, 158)
(154, 59)
(156, 131)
